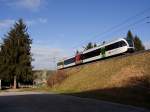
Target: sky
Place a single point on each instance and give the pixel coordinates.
(60, 27)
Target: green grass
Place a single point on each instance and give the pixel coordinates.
(37, 89)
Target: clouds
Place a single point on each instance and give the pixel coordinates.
(147, 45)
(26, 4)
(42, 20)
(7, 23)
(37, 21)
(29, 4)
(46, 57)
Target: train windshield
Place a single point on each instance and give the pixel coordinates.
(59, 63)
(130, 42)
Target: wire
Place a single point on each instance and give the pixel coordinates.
(114, 27)
(133, 24)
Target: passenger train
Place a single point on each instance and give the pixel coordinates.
(113, 48)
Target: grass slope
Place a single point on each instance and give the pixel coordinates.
(125, 80)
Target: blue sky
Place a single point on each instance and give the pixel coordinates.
(59, 27)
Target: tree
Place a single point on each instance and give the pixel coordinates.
(0, 62)
(4, 69)
(130, 35)
(95, 45)
(16, 55)
(77, 51)
(138, 44)
(136, 40)
(88, 46)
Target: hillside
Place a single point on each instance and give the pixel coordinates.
(117, 79)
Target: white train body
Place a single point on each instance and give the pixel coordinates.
(109, 49)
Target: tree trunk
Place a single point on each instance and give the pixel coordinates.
(0, 84)
(15, 82)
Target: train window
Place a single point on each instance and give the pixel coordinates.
(91, 54)
(110, 47)
(122, 43)
(69, 61)
(115, 45)
(118, 44)
(130, 42)
(107, 48)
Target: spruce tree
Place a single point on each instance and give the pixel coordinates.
(0, 62)
(130, 35)
(4, 68)
(138, 44)
(77, 51)
(89, 46)
(16, 54)
(95, 45)
(136, 40)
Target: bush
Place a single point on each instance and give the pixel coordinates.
(56, 78)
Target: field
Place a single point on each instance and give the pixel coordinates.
(124, 80)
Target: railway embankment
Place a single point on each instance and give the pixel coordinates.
(123, 79)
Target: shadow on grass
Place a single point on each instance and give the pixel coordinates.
(134, 95)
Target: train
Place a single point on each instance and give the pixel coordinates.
(106, 50)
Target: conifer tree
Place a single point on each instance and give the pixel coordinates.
(130, 35)
(95, 45)
(77, 51)
(138, 44)
(88, 46)
(16, 54)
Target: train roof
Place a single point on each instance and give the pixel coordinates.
(102, 45)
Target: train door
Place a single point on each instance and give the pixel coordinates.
(78, 58)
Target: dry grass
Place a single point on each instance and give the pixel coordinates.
(113, 79)
(57, 78)
(108, 73)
